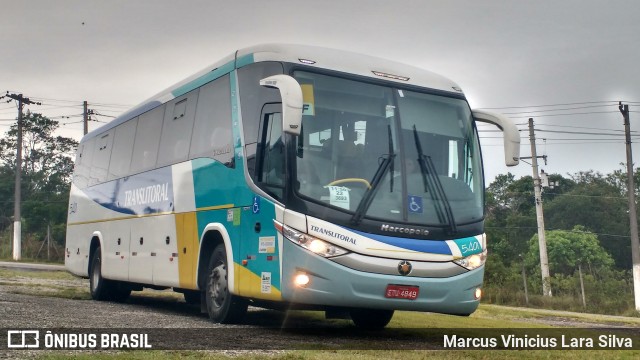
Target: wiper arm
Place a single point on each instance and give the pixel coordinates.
(391, 153)
(363, 206)
(433, 185)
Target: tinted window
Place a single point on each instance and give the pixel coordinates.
(122, 149)
(176, 129)
(83, 164)
(253, 96)
(212, 134)
(271, 174)
(101, 156)
(145, 150)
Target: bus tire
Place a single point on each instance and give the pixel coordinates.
(371, 318)
(99, 287)
(222, 306)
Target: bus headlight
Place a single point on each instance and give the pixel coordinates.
(317, 246)
(473, 261)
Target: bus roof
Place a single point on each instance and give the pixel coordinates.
(314, 56)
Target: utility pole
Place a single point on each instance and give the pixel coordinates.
(633, 220)
(85, 118)
(537, 187)
(17, 220)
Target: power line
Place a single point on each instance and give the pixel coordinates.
(567, 114)
(532, 112)
(580, 127)
(603, 102)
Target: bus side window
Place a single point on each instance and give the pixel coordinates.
(176, 129)
(83, 164)
(101, 156)
(145, 148)
(252, 97)
(122, 149)
(212, 136)
(270, 170)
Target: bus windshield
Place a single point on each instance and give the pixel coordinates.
(388, 154)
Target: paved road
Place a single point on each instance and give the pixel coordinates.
(31, 266)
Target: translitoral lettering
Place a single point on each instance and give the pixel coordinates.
(333, 234)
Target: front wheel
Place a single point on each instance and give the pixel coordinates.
(222, 306)
(371, 318)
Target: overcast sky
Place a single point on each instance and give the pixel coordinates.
(503, 53)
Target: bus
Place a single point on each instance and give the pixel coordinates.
(290, 176)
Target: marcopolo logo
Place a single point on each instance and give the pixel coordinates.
(23, 339)
(404, 230)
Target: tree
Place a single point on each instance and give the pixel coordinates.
(47, 167)
(597, 204)
(569, 248)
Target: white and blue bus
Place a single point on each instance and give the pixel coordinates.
(290, 176)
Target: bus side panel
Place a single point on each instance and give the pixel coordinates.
(141, 262)
(77, 248)
(115, 249)
(187, 240)
(165, 251)
(260, 277)
(187, 249)
(80, 229)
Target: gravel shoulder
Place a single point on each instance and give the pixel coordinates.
(59, 301)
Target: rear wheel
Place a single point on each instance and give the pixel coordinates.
(371, 318)
(103, 289)
(98, 286)
(222, 306)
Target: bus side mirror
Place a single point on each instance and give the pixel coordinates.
(291, 94)
(510, 133)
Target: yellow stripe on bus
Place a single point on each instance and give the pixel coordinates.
(250, 285)
(187, 232)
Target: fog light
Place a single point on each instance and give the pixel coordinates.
(301, 280)
(478, 293)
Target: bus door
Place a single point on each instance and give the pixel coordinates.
(259, 237)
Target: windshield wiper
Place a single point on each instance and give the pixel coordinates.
(433, 186)
(367, 198)
(391, 153)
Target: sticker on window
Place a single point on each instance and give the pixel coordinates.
(390, 111)
(415, 204)
(308, 101)
(339, 196)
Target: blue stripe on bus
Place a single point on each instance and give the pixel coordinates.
(426, 246)
(147, 193)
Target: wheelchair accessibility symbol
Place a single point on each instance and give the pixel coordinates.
(256, 205)
(415, 204)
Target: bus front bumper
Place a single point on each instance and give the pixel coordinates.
(333, 284)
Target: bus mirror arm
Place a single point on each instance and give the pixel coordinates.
(291, 94)
(509, 130)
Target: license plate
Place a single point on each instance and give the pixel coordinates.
(402, 292)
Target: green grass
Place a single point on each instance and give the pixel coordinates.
(36, 274)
